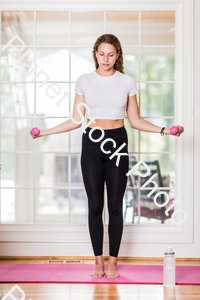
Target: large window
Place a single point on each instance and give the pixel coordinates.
(41, 179)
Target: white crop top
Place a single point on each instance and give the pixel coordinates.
(106, 96)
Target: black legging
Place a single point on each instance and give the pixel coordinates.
(97, 168)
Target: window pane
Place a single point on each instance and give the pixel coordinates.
(131, 62)
(81, 62)
(52, 170)
(17, 206)
(125, 25)
(130, 200)
(15, 134)
(17, 170)
(52, 64)
(17, 100)
(166, 163)
(86, 26)
(163, 166)
(76, 139)
(79, 207)
(52, 27)
(52, 206)
(149, 211)
(52, 99)
(76, 175)
(157, 27)
(132, 136)
(157, 64)
(15, 66)
(20, 23)
(157, 99)
(154, 142)
(53, 142)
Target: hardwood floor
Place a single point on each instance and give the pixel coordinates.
(50, 291)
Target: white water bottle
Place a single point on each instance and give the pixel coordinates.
(169, 268)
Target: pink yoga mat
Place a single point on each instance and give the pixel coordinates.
(74, 273)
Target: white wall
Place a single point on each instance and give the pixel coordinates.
(196, 125)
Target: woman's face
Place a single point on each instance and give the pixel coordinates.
(106, 56)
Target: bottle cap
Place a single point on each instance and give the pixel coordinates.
(169, 251)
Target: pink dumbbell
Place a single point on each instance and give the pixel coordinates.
(35, 131)
(174, 129)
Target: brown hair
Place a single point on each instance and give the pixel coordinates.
(113, 40)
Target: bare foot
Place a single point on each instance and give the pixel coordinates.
(99, 271)
(112, 271)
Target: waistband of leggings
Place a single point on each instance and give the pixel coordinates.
(119, 135)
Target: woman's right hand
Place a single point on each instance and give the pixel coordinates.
(36, 136)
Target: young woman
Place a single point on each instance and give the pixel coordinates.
(108, 92)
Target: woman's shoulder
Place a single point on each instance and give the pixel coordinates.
(130, 79)
(126, 77)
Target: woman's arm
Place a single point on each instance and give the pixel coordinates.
(144, 125)
(137, 122)
(69, 124)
